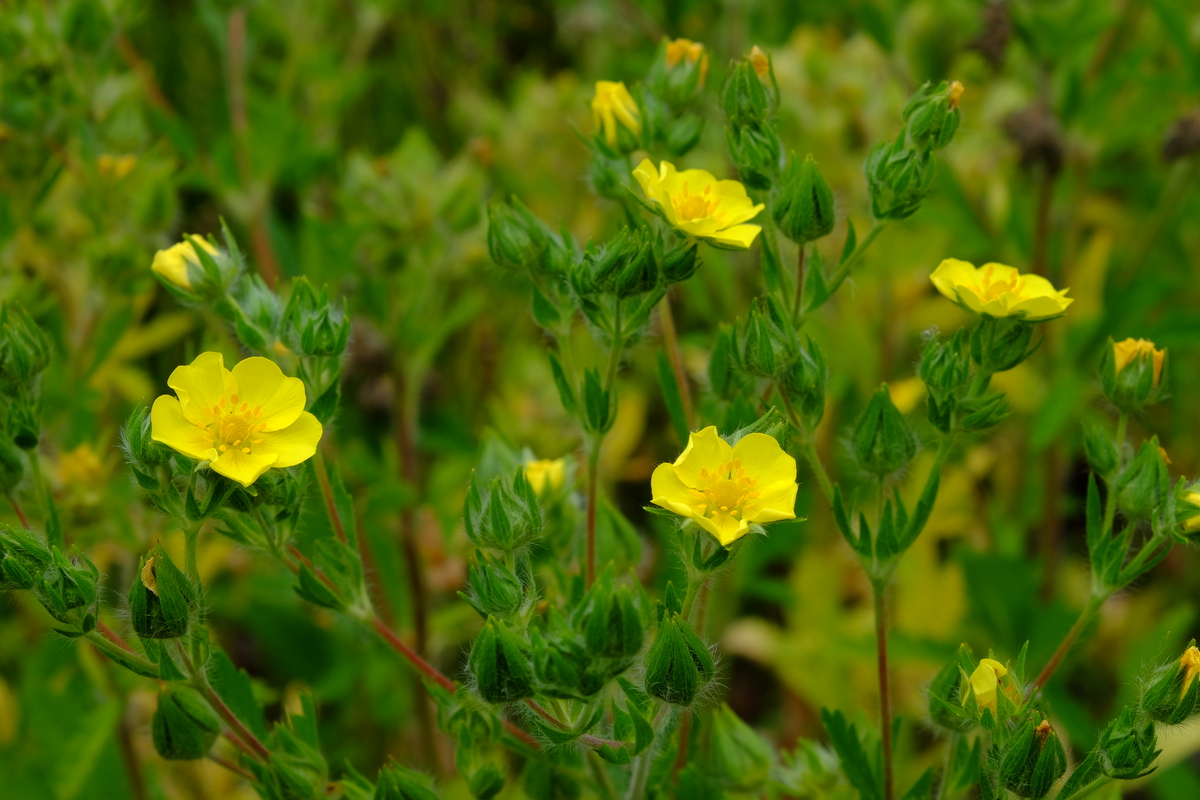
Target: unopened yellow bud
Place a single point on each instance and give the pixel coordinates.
(1192, 523)
(956, 93)
(1130, 350)
(1190, 663)
(985, 680)
(546, 472)
(117, 167)
(149, 579)
(172, 262)
(612, 104)
(760, 62)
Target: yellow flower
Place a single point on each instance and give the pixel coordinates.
(80, 467)
(984, 682)
(545, 472)
(1189, 662)
(726, 489)
(1192, 523)
(693, 52)
(700, 205)
(956, 93)
(172, 262)
(1130, 350)
(110, 166)
(614, 103)
(999, 290)
(244, 421)
(760, 62)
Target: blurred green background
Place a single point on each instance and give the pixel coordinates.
(357, 143)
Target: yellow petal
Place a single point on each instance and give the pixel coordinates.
(245, 468)
(669, 492)
(950, 275)
(776, 503)
(170, 427)
(705, 450)
(260, 382)
(968, 297)
(201, 385)
(726, 528)
(1040, 307)
(764, 460)
(293, 444)
(740, 235)
(647, 177)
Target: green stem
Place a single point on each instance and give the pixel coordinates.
(879, 590)
(1094, 603)
(191, 535)
(601, 775)
(53, 533)
(693, 591)
(119, 654)
(979, 383)
(843, 270)
(951, 744)
(1122, 425)
(1091, 788)
(801, 275)
(807, 447)
(641, 767)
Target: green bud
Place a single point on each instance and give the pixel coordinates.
(64, 586)
(140, 450)
(560, 663)
(805, 381)
(12, 464)
(756, 151)
(14, 574)
(1000, 343)
(772, 423)
(680, 262)
(1145, 483)
(684, 133)
(607, 176)
(738, 757)
(160, 599)
(804, 206)
(722, 364)
(516, 238)
(678, 664)
(1133, 374)
(505, 516)
(932, 115)
(609, 620)
(184, 728)
(312, 325)
(981, 413)
(745, 99)
(766, 343)
(1127, 751)
(486, 782)
(898, 179)
(1033, 760)
(24, 348)
(400, 783)
(1172, 694)
(883, 442)
(1101, 451)
(500, 664)
(495, 589)
(639, 274)
(944, 367)
(598, 269)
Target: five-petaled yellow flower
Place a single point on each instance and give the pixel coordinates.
(985, 680)
(687, 50)
(545, 472)
(700, 205)
(726, 489)
(1130, 350)
(612, 104)
(999, 290)
(172, 263)
(244, 421)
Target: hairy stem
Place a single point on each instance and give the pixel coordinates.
(671, 346)
(232, 767)
(20, 514)
(1089, 610)
(843, 270)
(879, 590)
(807, 447)
(641, 767)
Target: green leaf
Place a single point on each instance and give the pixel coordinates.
(672, 397)
(78, 755)
(232, 685)
(565, 392)
(858, 768)
(922, 789)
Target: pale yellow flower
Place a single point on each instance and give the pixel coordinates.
(545, 472)
(1189, 662)
(985, 680)
(726, 489)
(999, 290)
(1130, 350)
(612, 104)
(700, 205)
(760, 62)
(172, 263)
(693, 52)
(244, 422)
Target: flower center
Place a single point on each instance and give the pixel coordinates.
(689, 207)
(990, 289)
(725, 490)
(233, 424)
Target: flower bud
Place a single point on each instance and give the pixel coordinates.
(617, 117)
(1188, 506)
(312, 325)
(745, 99)
(141, 450)
(184, 728)
(1132, 373)
(505, 516)
(932, 115)
(546, 475)
(804, 380)
(611, 625)
(512, 241)
(500, 665)
(804, 207)
(984, 682)
(401, 783)
(679, 75)
(161, 599)
(495, 589)
(1145, 482)
(1101, 451)
(22, 557)
(1033, 760)
(1172, 695)
(64, 586)
(738, 757)
(898, 178)
(680, 262)
(194, 267)
(24, 347)
(722, 365)
(756, 151)
(945, 367)
(639, 274)
(1000, 343)
(683, 133)
(678, 664)
(763, 345)
(606, 176)
(883, 442)
(1127, 751)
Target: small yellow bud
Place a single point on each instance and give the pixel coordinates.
(551, 472)
(612, 104)
(116, 167)
(985, 680)
(760, 62)
(1130, 350)
(149, 580)
(1189, 662)
(282, 350)
(1192, 523)
(956, 93)
(1166, 458)
(172, 262)
(689, 51)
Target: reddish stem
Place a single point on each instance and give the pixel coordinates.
(232, 767)
(594, 742)
(327, 494)
(257, 748)
(111, 635)
(20, 514)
